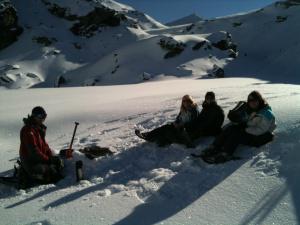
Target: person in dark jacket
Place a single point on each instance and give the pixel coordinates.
(179, 131)
(36, 157)
(211, 118)
(252, 124)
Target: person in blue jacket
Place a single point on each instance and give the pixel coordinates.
(252, 123)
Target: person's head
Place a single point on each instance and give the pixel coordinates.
(210, 97)
(38, 114)
(187, 103)
(255, 101)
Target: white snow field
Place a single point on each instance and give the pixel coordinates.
(142, 184)
(140, 69)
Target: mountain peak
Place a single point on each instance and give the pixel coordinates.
(192, 18)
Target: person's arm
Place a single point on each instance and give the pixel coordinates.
(194, 118)
(48, 150)
(178, 122)
(214, 119)
(258, 125)
(30, 142)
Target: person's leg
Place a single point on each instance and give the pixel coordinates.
(257, 141)
(234, 139)
(46, 173)
(184, 137)
(159, 133)
(223, 137)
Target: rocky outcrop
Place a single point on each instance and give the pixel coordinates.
(199, 45)
(99, 17)
(87, 25)
(44, 40)
(280, 19)
(173, 47)
(10, 30)
(60, 12)
(287, 4)
(223, 41)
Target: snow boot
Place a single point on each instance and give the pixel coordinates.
(141, 135)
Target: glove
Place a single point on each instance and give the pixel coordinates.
(57, 161)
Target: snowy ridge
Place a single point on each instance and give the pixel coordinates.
(52, 53)
(193, 18)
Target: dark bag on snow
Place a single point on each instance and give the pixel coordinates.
(239, 113)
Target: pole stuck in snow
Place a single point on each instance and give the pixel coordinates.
(70, 150)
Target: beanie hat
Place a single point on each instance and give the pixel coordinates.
(39, 112)
(210, 94)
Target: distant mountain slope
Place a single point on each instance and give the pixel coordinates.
(75, 43)
(193, 18)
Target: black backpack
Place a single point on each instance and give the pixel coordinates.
(239, 113)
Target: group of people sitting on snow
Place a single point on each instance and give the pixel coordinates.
(251, 123)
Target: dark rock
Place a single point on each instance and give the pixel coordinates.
(88, 24)
(173, 47)
(287, 4)
(60, 81)
(280, 19)
(99, 17)
(222, 45)
(44, 40)
(217, 72)
(190, 27)
(60, 12)
(233, 54)
(199, 45)
(237, 24)
(77, 46)
(9, 28)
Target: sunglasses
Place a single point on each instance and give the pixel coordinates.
(41, 116)
(252, 100)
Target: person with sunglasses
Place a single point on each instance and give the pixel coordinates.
(38, 163)
(252, 124)
(179, 131)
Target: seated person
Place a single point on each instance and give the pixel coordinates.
(178, 131)
(211, 118)
(37, 160)
(253, 125)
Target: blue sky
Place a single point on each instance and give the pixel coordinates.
(169, 10)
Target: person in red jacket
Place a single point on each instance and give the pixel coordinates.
(37, 159)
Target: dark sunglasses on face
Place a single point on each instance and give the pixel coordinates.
(252, 100)
(41, 116)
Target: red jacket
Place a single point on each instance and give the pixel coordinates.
(34, 148)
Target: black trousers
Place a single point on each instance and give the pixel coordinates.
(42, 172)
(168, 134)
(234, 135)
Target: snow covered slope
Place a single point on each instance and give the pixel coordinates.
(107, 43)
(193, 18)
(267, 41)
(61, 36)
(145, 184)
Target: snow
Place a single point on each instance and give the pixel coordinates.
(267, 47)
(142, 183)
(136, 86)
(193, 18)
